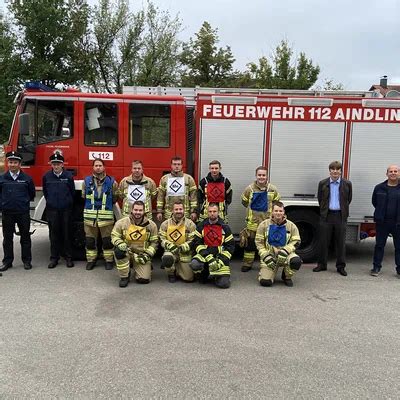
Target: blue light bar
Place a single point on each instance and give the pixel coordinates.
(38, 86)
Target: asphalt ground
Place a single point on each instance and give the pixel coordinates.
(72, 333)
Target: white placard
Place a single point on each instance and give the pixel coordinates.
(176, 186)
(103, 155)
(136, 193)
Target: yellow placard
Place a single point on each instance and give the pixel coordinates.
(176, 234)
(135, 234)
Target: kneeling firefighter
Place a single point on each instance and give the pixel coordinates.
(277, 239)
(135, 238)
(214, 246)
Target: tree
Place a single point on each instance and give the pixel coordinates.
(132, 48)
(160, 54)
(281, 71)
(9, 77)
(50, 33)
(114, 46)
(205, 64)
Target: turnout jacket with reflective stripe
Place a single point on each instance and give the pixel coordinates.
(254, 218)
(224, 250)
(165, 202)
(148, 244)
(150, 189)
(292, 238)
(202, 196)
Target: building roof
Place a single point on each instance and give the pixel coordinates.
(383, 91)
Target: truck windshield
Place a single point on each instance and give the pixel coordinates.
(50, 120)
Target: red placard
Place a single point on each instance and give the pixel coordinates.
(213, 235)
(215, 192)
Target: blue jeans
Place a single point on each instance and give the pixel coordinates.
(383, 229)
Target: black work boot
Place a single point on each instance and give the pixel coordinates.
(109, 265)
(287, 281)
(223, 282)
(90, 265)
(172, 278)
(52, 264)
(124, 282)
(245, 268)
(266, 282)
(27, 265)
(69, 262)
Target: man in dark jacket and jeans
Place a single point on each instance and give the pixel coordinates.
(59, 191)
(386, 200)
(334, 197)
(16, 191)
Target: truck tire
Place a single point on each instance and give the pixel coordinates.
(307, 222)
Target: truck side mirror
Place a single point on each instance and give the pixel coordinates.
(26, 143)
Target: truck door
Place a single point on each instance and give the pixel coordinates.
(101, 135)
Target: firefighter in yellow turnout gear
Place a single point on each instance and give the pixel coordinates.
(276, 241)
(100, 194)
(176, 186)
(176, 235)
(257, 198)
(214, 246)
(137, 186)
(135, 238)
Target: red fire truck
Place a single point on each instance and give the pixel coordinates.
(294, 133)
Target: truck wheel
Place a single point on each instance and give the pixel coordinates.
(307, 222)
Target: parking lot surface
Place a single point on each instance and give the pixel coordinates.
(72, 333)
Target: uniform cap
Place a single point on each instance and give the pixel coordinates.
(56, 158)
(14, 155)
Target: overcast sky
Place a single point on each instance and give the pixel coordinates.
(354, 42)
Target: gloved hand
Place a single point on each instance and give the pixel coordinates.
(213, 265)
(282, 257)
(170, 246)
(123, 246)
(142, 258)
(185, 247)
(269, 262)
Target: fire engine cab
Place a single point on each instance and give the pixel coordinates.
(296, 134)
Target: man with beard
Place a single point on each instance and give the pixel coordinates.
(257, 198)
(135, 239)
(176, 235)
(214, 188)
(277, 239)
(100, 193)
(214, 246)
(59, 192)
(137, 186)
(16, 191)
(176, 186)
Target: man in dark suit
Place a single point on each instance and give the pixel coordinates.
(334, 198)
